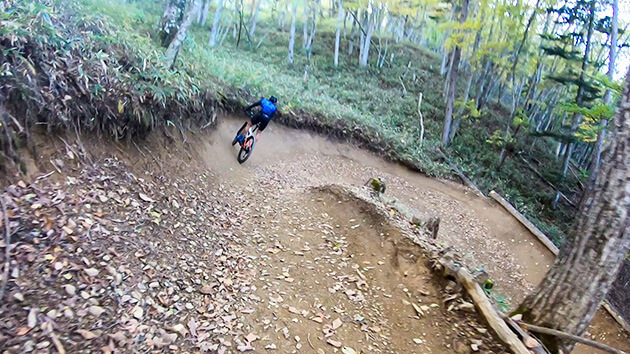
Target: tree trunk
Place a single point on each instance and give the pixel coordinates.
(292, 35)
(586, 267)
(338, 34)
(445, 54)
(172, 17)
(352, 36)
(577, 118)
(215, 25)
(601, 134)
(367, 41)
(176, 43)
(311, 37)
(203, 18)
(450, 99)
(305, 31)
(252, 28)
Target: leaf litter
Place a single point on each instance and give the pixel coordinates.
(138, 262)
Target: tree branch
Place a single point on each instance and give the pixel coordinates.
(563, 335)
(7, 247)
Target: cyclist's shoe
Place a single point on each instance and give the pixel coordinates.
(240, 138)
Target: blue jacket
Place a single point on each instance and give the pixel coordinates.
(267, 107)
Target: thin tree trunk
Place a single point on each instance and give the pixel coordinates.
(311, 37)
(204, 13)
(176, 43)
(338, 34)
(577, 118)
(252, 28)
(215, 25)
(587, 265)
(292, 35)
(445, 55)
(305, 31)
(365, 49)
(352, 37)
(172, 17)
(601, 134)
(450, 99)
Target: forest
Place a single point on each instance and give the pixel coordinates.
(517, 94)
(510, 96)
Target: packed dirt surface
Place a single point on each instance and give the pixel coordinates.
(142, 248)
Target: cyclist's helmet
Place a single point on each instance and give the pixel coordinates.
(273, 99)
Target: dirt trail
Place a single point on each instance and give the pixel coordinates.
(145, 248)
(488, 236)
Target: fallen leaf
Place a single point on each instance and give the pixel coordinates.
(145, 198)
(32, 317)
(192, 326)
(531, 342)
(70, 289)
(22, 331)
(206, 289)
(138, 312)
(179, 328)
(91, 272)
(336, 324)
(96, 311)
(87, 334)
(334, 343)
(251, 337)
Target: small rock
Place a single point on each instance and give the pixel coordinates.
(18, 296)
(474, 347)
(417, 340)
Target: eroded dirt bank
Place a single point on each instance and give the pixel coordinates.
(181, 248)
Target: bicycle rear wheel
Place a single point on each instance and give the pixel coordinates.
(245, 152)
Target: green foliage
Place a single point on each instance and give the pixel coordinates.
(469, 109)
(498, 138)
(520, 118)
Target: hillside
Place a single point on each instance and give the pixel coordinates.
(118, 54)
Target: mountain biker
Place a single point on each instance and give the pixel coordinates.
(267, 110)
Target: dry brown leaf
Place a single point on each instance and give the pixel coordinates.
(32, 317)
(87, 334)
(206, 289)
(251, 337)
(179, 328)
(336, 324)
(22, 331)
(334, 343)
(91, 272)
(145, 198)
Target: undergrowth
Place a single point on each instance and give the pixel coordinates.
(106, 76)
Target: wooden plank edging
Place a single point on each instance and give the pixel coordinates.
(488, 312)
(551, 247)
(528, 224)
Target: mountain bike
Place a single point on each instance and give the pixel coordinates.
(247, 142)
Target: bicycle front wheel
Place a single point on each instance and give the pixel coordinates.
(246, 150)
